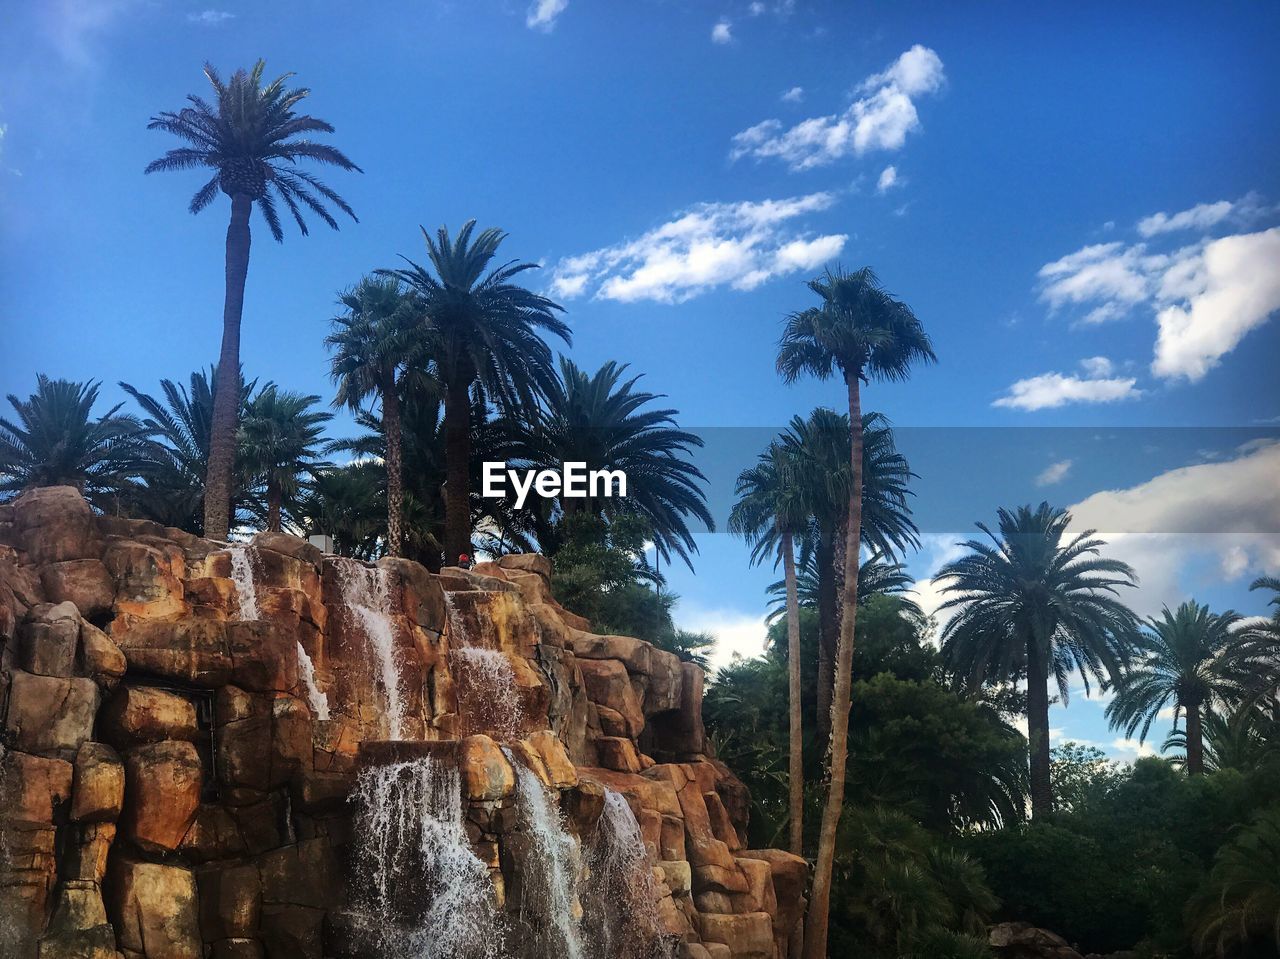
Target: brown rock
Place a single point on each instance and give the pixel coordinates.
(618, 754)
(79, 928)
(609, 685)
(49, 638)
(486, 774)
(422, 596)
(306, 874)
(148, 579)
(54, 523)
(154, 909)
(551, 750)
(237, 949)
(32, 787)
(1021, 940)
(230, 901)
(83, 582)
(49, 716)
(293, 931)
(721, 826)
(748, 936)
(89, 850)
(790, 877)
(162, 789)
(193, 649)
(294, 546)
(97, 785)
(528, 563)
(145, 714)
(264, 656)
(100, 658)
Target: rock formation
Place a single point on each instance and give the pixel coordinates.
(261, 751)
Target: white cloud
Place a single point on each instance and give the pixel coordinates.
(722, 32)
(880, 118)
(939, 549)
(1097, 366)
(1199, 217)
(888, 179)
(1120, 275)
(1192, 526)
(210, 18)
(1050, 390)
(794, 95)
(1232, 287)
(543, 13)
(739, 245)
(1054, 473)
(737, 633)
(1133, 748)
(756, 8)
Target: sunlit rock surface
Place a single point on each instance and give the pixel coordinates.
(236, 752)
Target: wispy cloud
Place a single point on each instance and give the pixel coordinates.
(1200, 217)
(794, 95)
(888, 179)
(542, 14)
(1054, 473)
(1051, 390)
(738, 245)
(722, 32)
(210, 18)
(879, 118)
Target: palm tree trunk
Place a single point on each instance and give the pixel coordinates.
(1038, 730)
(395, 479)
(828, 633)
(815, 935)
(274, 505)
(457, 440)
(1195, 741)
(226, 396)
(795, 766)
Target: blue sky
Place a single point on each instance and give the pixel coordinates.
(1080, 202)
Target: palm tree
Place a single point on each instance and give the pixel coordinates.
(249, 138)
(771, 509)
(374, 344)
(876, 577)
(1183, 659)
(57, 441)
(821, 444)
(862, 332)
(1237, 912)
(1030, 603)
(349, 504)
(1242, 739)
(179, 431)
(600, 420)
(482, 330)
(279, 444)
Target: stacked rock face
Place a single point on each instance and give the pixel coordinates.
(177, 758)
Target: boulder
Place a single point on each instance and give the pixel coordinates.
(154, 909)
(294, 546)
(618, 754)
(100, 659)
(32, 788)
(136, 715)
(527, 563)
(748, 935)
(49, 639)
(551, 751)
(422, 597)
(162, 789)
(79, 927)
(82, 582)
(50, 716)
(230, 901)
(97, 784)
(1021, 940)
(486, 773)
(609, 685)
(790, 878)
(53, 524)
(192, 649)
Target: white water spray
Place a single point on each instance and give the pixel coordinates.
(620, 896)
(488, 697)
(427, 893)
(549, 874)
(366, 593)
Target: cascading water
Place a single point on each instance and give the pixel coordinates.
(488, 698)
(242, 575)
(548, 874)
(366, 593)
(425, 893)
(619, 896)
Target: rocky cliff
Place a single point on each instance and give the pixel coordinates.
(261, 751)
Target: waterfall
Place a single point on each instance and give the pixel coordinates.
(619, 896)
(242, 576)
(549, 871)
(427, 894)
(247, 598)
(366, 593)
(488, 698)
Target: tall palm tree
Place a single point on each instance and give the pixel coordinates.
(179, 431)
(601, 420)
(1034, 602)
(374, 344)
(771, 509)
(249, 138)
(876, 577)
(861, 332)
(482, 330)
(57, 441)
(1242, 739)
(1182, 657)
(821, 442)
(279, 443)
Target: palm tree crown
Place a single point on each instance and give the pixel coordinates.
(249, 137)
(280, 440)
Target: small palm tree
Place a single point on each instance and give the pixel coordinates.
(349, 504)
(249, 138)
(1237, 913)
(179, 430)
(1033, 603)
(1182, 658)
(601, 420)
(57, 441)
(1242, 739)
(771, 510)
(374, 343)
(860, 332)
(482, 330)
(279, 445)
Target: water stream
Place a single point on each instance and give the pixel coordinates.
(488, 697)
(425, 893)
(366, 594)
